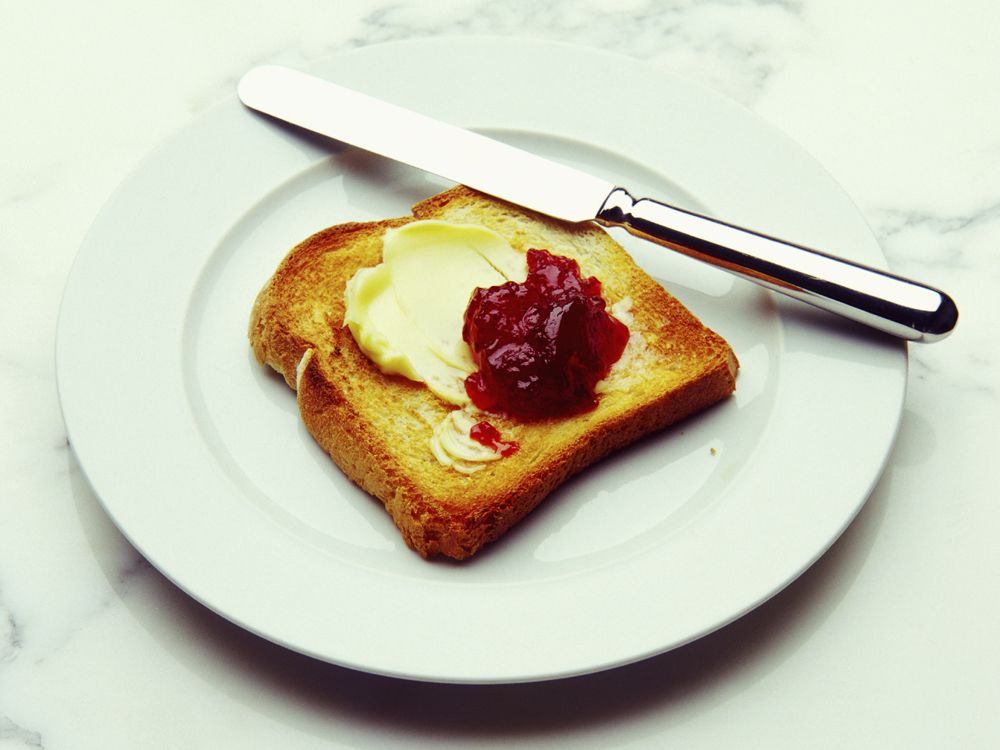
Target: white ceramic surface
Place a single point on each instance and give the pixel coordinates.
(194, 454)
(888, 640)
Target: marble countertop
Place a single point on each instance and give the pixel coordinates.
(890, 640)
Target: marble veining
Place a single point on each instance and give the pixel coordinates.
(889, 641)
(899, 220)
(14, 735)
(940, 244)
(730, 45)
(10, 638)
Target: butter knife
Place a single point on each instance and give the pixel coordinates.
(887, 302)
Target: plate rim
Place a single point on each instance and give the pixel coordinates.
(66, 354)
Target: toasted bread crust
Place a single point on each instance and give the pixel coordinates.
(377, 427)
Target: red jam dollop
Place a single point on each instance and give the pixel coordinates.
(543, 345)
(488, 435)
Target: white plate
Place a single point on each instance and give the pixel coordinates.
(199, 457)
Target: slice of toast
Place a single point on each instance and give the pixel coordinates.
(378, 428)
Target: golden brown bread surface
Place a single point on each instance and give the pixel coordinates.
(377, 428)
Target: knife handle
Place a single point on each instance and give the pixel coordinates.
(884, 301)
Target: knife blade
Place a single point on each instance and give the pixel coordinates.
(893, 304)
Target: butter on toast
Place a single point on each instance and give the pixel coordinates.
(377, 428)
